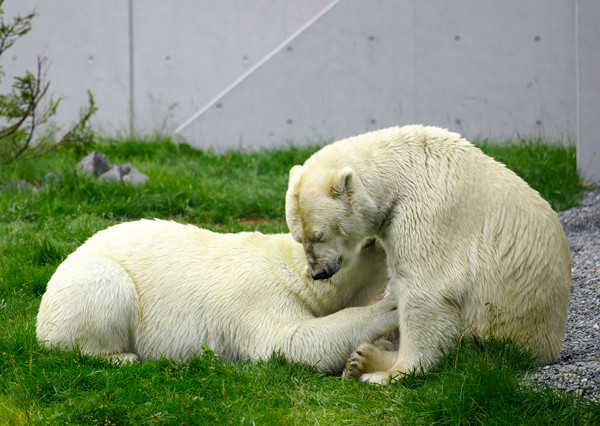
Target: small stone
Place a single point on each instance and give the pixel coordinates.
(49, 179)
(94, 163)
(112, 174)
(135, 178)
(125, 169)
(21, 184)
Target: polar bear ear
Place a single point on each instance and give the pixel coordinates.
(295, 173)
(342, 182)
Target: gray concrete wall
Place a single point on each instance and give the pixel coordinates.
(186, 52)
(86, 46)
(339, 77)
(588, 89)
(154, 60)
(234, 74)
(488, 70)
(495, 69)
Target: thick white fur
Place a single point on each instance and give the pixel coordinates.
(147, 289)
(470, 246)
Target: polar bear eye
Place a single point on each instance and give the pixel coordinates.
(318, 237)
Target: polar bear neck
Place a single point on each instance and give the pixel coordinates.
(355, 285)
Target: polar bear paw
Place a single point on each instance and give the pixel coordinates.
(122, 359)
(379, 378)
(370, 364)
(359, 362)
(357, 365)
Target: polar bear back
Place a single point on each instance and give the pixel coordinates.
(187, 286)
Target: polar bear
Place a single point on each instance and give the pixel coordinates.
(148, 289)
(470, 246)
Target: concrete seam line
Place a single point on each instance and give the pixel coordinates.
(256, 66)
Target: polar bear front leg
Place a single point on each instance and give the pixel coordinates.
(427, 325)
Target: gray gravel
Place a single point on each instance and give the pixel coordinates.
(578, 369)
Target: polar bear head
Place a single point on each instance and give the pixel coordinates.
(322, 215)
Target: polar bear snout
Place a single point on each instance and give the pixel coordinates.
(326, 271)
(322, 259)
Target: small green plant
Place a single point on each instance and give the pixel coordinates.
(26, 109)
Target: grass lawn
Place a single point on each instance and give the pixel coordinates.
(477, 382)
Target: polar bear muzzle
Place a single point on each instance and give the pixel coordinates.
(326, 271)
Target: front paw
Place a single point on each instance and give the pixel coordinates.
(359, 362)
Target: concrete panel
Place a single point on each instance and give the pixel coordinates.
(588, 90)
(86, 44)
(186, 52)
(496, 69)
(486, 69)
(350, 72)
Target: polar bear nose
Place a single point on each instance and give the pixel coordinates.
(321, 275)
(329, 271)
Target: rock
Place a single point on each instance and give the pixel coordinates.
(21, 184)
(135, 177)
(94, 163)
(126, 174)
(97, 164)
(125, 169)
(49, 179)
(113, 173)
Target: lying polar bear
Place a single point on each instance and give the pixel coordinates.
(148, 289)
(470, 246)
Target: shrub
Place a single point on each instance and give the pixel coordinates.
(24, 110)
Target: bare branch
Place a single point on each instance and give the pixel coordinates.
(38, 91)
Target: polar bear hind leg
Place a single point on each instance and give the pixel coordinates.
(91, 303)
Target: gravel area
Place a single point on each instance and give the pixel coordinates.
(578, 369)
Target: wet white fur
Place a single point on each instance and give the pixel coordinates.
(470, 246)
(147, 289)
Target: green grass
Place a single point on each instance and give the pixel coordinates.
(548, 168)
(477, 382)
(197, 186)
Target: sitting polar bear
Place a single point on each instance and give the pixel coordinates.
(470, 246)
(148, 289)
